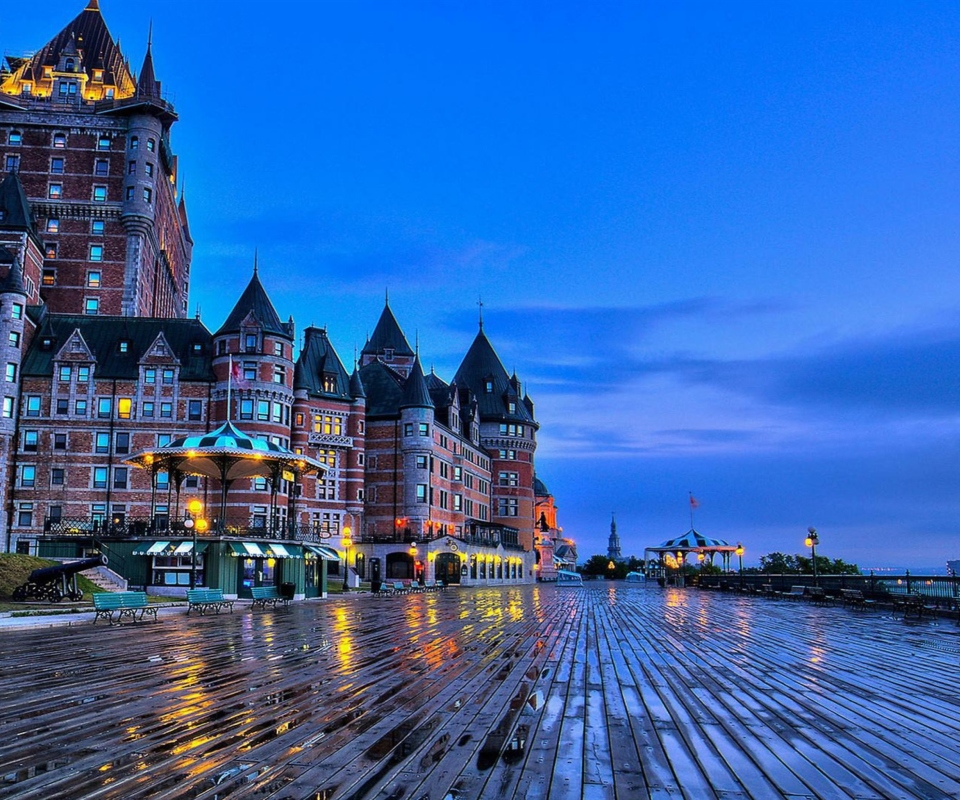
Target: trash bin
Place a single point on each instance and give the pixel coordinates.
(287, 590)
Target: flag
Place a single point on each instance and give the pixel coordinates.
(694, 503)
(236, 374)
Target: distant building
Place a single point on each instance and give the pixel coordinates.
(613, 543)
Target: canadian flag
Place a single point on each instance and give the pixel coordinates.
(694, 503)
(236, 374)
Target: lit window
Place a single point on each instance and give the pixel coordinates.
(28, 476)
(50, 250)
(124, 405)
(103, 143)
(93, 277)
(91, 306)
(15, 139)
(17, 311)
(11, 375)
(100, 194)
(98, 75)
(56, 166)
(53, 225)
(96, 253)
(96, 227)
(105, 407)
(55, 192)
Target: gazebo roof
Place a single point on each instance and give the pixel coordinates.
(226, 453)
(693, 540)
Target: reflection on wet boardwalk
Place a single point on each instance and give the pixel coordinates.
(529, 692)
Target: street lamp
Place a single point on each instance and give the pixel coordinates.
(739, 552)
(193, 524)
(812, 541)
(346, 541)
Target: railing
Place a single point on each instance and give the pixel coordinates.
(942, 589)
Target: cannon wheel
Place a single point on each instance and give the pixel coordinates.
(54, 594)
(20, 594)
(75, 596)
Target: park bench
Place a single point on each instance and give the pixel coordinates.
(854, 598)
(795, 593)
(399, 587)
(433, 586)
(817, 596)
(262, 595)
(127, 605)
(383, 590)
(768, 591)
(205, 599)
(912, 603)
(416, 587)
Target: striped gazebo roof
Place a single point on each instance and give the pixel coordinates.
(694, 540)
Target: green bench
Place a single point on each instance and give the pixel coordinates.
(126, 605)
(262, 595)
(205, 599)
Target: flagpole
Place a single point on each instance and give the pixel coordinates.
(691, 510)
(229, 385)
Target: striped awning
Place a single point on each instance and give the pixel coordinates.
(326, 553)
(265, 550)
(168, 548)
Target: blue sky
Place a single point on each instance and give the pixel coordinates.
(717, 242)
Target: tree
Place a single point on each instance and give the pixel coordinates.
(781, 563)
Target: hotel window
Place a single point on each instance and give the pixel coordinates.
(55, 191)
(56, 166)
(12, 163)
(263, 410)
(408, 429)
(15, 139)
(194, 410)
(83, 374)
(250, 343)
(25, 515)
(49, 276)
(246, 409)
(458, 502)
(278, 349)
(424, 429)
(99, 194)
(99, 477)
(149, 375)
(507, 507)
(509, 479)
(59, 441)
(101, 443)
(279, 374)
(53, 225)
(132, 168)
(101, 167)
(63, 406)
(28, 476)
(103, 143)
(421, 493)
(129, 194)
(50, 250)
(163, 481)
(11, 374)
(191, 482)
(56, 476)
(98, 75)
(149, 169)
(93, 278)
(33, 405)
(329, 383)
(167, 377)
(163, 439)
(96, 227)
(166, 410)
(299, 419)
(458, 473)
(421, 462)
(249, 370)
(65, 372)
(278, 412)
(60, 139)
(55, 513)
(122, 443)
(119, 477)
(260, 484)
(8, 408)
(134, 142)
(96, 252)
(105, 407)
(30, 441)
(148, 195)
(17, 311)
(124, 407)
(91, 306)
(123, 346)
(80, 408)
(151, 145)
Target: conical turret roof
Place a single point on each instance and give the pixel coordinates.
(147, 83)
(319, 370)
(415, 392)
(255, 302)
(483, 374)
(15, 211)
(387, 336)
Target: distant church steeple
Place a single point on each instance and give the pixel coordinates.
(613, 545)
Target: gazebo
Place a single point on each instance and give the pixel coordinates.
(227, 454)
(694, 542)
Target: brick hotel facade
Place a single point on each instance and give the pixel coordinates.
(424, 478)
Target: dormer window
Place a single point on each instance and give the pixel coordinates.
(15, 139)
(98, 75)
(388, 354)
(511, 407)
(27, 88)
(70, 65)
(250, 343)
(488, 386)
(123, 346)
(46, 343)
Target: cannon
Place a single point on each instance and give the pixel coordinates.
(50, 583)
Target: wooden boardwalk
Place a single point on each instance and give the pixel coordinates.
(531, 692)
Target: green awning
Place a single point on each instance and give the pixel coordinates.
(178, 547)
(326, 553)
(265, 550)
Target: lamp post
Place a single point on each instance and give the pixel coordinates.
(346, 541)
(813, 539)
(192, 524)
(739, 552)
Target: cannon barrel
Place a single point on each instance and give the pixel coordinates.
(47, 574)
